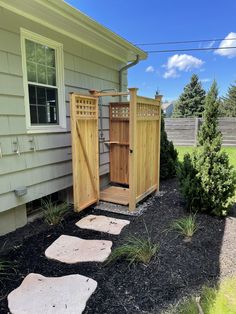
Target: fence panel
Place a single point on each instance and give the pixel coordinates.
(147, 146)
(183, 131)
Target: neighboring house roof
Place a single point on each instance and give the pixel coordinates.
(168, 107)
(61, 17)
(165, 105)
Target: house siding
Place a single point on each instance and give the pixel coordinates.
(47, 169)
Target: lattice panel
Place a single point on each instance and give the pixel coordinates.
(119, 111)
(86, 108)
(147, 111)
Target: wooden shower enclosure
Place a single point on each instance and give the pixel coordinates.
(134, 149)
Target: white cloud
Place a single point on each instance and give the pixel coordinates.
(171, 73)
(231, 42)
(179, 63)
(150, 68)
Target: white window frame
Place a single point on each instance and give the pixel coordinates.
(58, 47)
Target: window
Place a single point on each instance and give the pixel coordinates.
(43, 80)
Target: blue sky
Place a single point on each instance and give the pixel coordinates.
(172, 20)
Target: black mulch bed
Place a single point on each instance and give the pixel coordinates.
(178, 269)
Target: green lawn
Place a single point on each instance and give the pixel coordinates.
(219, 300)
(188, 149)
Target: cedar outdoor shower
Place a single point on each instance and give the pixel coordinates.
(134, 149)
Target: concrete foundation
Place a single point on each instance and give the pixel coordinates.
(12, 219)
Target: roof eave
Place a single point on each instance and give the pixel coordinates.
(74, 24)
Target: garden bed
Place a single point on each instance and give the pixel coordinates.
(179, 268)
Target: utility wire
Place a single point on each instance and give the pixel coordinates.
(183, 42)
(188, 49)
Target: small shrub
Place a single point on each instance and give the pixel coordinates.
(207, 181)
(53, 212)
(135, 250)
(185, 226)
(190, 185)
(168, 155)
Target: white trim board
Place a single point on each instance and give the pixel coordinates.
(61, 127)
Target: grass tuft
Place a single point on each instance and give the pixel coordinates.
(221, 300)
(187, 307)
(135, 250)
(54, 212)
(185, 226)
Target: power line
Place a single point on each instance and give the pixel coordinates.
(188, 49)
(183, 42)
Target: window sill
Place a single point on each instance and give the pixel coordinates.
(46, 129)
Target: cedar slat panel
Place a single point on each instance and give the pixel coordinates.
(119, 150)
(147, 152)
(85, 153)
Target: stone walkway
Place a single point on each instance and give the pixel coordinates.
(68, 294)
(103, 224)
(40, 295)
(71, 250)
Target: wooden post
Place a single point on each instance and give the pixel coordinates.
(158, 98)
(196, 131)
(132, 148)
(74, 160)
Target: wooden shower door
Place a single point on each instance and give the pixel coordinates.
(85, 152)
(119, 143)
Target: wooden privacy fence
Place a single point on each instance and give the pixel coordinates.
(183, 131)
(134, 147)
(146, 116)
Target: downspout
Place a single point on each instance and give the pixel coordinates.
(131, 64)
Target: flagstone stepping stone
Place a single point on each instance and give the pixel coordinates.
(71, 250)
(52, 295)
(103, 224)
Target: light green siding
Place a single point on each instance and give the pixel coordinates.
(12, 105)
(43, 162)
(12, 219)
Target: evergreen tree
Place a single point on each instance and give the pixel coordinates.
(228, 103)
(206, 178)
(191, 101)
(168, 156)
(209, 134)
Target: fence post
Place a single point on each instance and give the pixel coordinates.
(196, 131)
(132, 148)
(158, 98)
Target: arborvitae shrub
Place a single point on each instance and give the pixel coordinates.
(169, 155)
(190, 186)
(207, 181)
